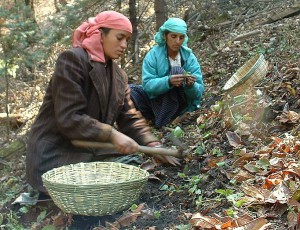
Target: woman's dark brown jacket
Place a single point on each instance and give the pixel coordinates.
(83, 101)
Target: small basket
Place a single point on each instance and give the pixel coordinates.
(248, 75)
(96, 188)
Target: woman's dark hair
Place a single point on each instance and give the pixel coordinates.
(167, 32)
(105, 30)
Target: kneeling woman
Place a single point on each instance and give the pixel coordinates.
(88, 93)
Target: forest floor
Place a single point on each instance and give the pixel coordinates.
(242, 168)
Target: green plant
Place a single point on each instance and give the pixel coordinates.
(41, 216)
(12, 221)
(200, 150)
(199, 201)
(263, 163)
(221, 164)
(234, 198)
(192, 183)
(24, 209)
(217, 106)
(231, 212)
(20, 33)
(133, 207)
(157, 214)
(217, 152)
(183, 227)
(170, 189)
(50, 227)
(1, 219)
(178, 132)
(224, 192)
(202, 126)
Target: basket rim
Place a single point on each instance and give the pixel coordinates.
(259, 57)
(144, 177)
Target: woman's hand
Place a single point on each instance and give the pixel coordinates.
(190, 80)
(123, 143)
(154, 144)
(176, 80)
(165, 159)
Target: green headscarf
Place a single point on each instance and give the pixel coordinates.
(175, 25)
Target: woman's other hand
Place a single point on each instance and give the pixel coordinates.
(168, 160)
(123, 143)
(190, 80)
(165, 159)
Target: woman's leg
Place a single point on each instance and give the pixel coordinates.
(141, 101)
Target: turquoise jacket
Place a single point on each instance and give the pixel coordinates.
(155, 75)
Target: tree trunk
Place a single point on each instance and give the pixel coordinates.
(30, 14)
(161, 12)
(6, 97)
(119, 4)
(133, 19)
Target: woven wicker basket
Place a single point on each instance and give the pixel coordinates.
(248, 75)
(96, 188)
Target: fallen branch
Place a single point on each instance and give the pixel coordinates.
(296, 130)
(280, 14)
(246, 35)
(14, 147)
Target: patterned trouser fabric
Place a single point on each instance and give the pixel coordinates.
(164, 108)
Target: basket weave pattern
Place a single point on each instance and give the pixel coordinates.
(248, 75)
(96, 188)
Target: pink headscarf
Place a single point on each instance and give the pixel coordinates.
(88, 35)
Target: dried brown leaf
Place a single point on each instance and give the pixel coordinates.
(281, 193)
(148, 214)
(148, 166)
(242, 175)
(139, 208)
(243, 160)
(241, 221)
(152, 177)
(127, 219)
(292, 218)
(257, 224)
(198, 220)
(61, 220)
(234, 139)
(293, 171)
(212, 162)
(253, 192)
(113, 226)
(226, 225)
(289, 117)
(252, 168)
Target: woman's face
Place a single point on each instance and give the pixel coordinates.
(114, 43)
(174, 41)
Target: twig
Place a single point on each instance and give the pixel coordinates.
(231, 114)
(295, 130)
(4, 162)
(241, 103)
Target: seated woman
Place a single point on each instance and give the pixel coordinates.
(172, 81)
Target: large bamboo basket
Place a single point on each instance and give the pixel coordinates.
(247, 76)
(96, 188)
